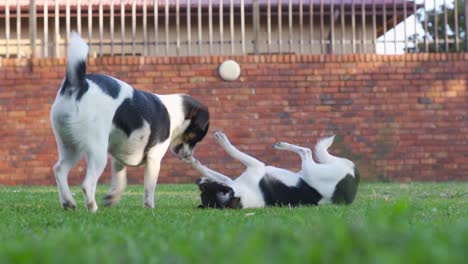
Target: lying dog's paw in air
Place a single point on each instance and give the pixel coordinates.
(220, 137)
(192, 161)
(280, 145)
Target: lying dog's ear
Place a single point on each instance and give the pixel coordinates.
(198, 182)
(228, 200)
(224, 198)
(214, 194)
(235, 203)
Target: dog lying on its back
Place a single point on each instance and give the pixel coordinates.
(333, 180)
(93, 114)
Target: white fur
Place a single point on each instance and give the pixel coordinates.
(321, 150)
(178, 124)
(287, 177)
(129, 149)
(77, 52)
(173, 103)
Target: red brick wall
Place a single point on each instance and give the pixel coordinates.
(398, 117)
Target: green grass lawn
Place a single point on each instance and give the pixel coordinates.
(388, 223)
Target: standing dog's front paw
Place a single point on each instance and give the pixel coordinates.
(148, 199)
(148, 205)
(92, 207)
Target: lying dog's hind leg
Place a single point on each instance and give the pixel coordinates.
(247, 160)
(118, 183)
(304, 153)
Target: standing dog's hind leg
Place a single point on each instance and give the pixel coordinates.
(96, 162)
(67, 159)
(118, 183)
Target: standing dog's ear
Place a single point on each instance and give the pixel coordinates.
(202, 118)
(199, 117)
(197, 113)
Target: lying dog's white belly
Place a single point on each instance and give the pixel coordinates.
(289, 178)
(246, 186)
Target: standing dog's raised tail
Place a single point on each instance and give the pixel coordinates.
(76, 66)
(321, 150)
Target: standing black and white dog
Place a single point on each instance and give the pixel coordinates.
(333, 180)
(94, 114)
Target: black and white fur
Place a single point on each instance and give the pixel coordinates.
(94, 114)
(333, 180)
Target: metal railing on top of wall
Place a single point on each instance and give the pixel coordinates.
(40, 28)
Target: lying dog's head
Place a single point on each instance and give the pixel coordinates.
(198, 122)
(217, 195)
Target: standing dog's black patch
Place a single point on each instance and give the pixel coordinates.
(107, 84)
(276, 193)
(65, 88)
(144, 106)
(80, 82)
